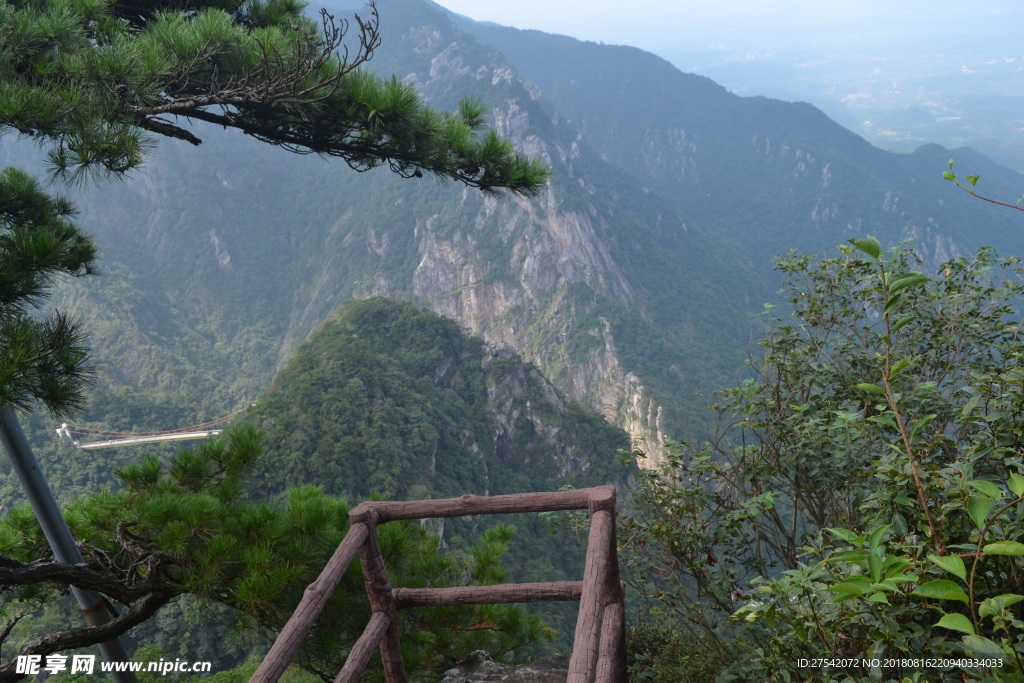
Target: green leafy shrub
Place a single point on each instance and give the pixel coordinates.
(863, 497)
(660, 653)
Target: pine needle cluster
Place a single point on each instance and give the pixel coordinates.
(41, 359)
(99, 78)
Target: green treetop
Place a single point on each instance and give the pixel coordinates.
(97, 78)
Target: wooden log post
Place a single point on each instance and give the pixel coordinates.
(599, 648)
(314, 599)
(359, 655)
(611, 664)
(583, 663)
(381, 595)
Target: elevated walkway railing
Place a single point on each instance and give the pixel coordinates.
(113, 443)
(599, 646)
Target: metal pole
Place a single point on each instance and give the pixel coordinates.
(94, 608)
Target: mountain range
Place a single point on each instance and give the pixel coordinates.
(633, 282)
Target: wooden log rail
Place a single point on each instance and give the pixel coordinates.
(599, 647)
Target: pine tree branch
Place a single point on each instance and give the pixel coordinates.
(71, 639)
(279, 77)
(166, 129)
(101, 574)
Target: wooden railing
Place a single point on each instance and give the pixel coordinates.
(599, 648)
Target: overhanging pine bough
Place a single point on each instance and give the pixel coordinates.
(96, 76)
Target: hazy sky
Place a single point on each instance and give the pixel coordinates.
(656, 24)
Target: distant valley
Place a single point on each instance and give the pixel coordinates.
(956, 85)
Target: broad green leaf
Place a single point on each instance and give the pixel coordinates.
(876, 536)
(870, 388)
(971, 403)
(907, 281)
(904, 578)
(984, 646)
(901, 323)
(920, 424)
(894, 565)
(957, 622)
(973, 180)
(857, 557)
(952, 564)
(892, 303)
(869, 245)
(878, 597)
(885, 585)
(978, 508)
(855, 585)
(900, 364)
(998, 604)
(941, 590)
(948, 175)
(987, 487)
(1004, 548)
(898, 449)
(847, 535)
(1016, 484)
(883, 420)
(875, 567)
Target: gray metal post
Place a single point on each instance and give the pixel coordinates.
(65, 550)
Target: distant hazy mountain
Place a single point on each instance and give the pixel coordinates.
(771, 174)
(899, 74)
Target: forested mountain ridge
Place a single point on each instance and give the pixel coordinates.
(246, 250)
(631, 282)
(390, 399)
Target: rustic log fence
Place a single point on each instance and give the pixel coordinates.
(599, 648)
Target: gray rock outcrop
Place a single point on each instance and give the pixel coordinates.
(480, 668)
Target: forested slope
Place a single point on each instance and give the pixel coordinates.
(390, 399)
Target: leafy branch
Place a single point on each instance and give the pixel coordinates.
(893, 295)
(972, 181)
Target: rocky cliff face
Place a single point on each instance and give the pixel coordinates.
(480, 668)
(521, 297)
(527, 274)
